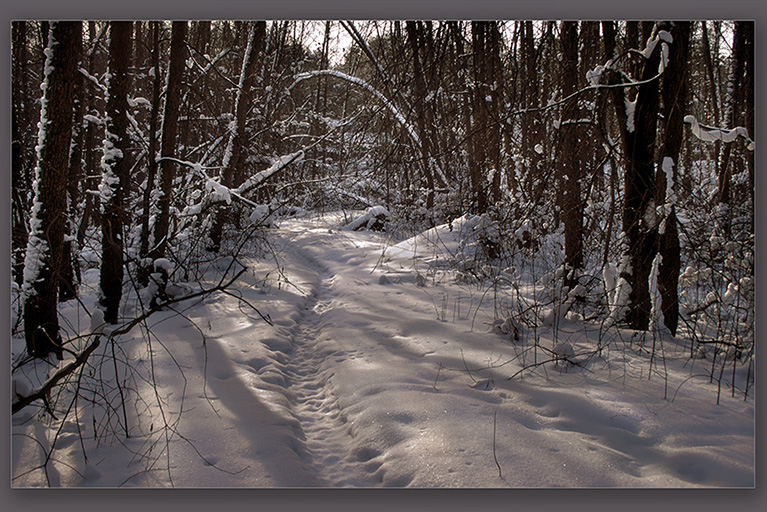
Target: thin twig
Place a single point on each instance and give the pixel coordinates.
(495, 457)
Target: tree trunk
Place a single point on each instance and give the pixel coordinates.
(19, 186)
(167, 169)
(414, 34)
(674, 93)
(47, 226)
(639, 192)
(232, 156)
(114, 185)
(70, 272)
(485, 133)
(740, 89)
(572, 204)
(713, 90)
(638, 129)
(152, 160)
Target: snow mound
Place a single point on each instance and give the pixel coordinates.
(461, 243)
(374, 219)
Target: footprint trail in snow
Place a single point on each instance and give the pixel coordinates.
(309, 372)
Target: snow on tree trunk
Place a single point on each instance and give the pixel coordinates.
(237, 127)
(114, 182)
(674, 93)
(639, 221)
(47, 226)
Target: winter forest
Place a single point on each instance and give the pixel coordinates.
(382, 253)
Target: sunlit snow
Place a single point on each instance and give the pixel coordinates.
(364, 381)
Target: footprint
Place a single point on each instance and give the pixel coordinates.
(364, 454)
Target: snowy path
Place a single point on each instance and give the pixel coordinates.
(372, 376)
(308, 374)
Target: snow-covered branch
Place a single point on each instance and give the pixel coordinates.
(217, 192)
(278, 164)
(372, 90)
(711, 134)
(388, 104)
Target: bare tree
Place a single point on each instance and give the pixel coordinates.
(237, 136)
(167, 169)
(570, 156)
(70, 271)
(115, 163)
(152, 149)
(485, 140)
(674, 94)
(43, 262)
(19, 159)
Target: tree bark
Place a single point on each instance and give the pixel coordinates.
(569, 155)
(232, 157)
(44, 256)
(638, 129)
(674, 94)
(70, 272)
(114, 185)
(639, 193)
(19, 181)
(485, 130)
(739, 91)
(152, 160)
(414, 34)
(167, 169)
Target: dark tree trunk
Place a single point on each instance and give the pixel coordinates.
(639, 194)
(739, 106)
(19, 180)
(570, 158)
(70, 272)
(90, 212)
(674, 94)
(167, 169)
(152, 159)
(232, 157)
(44, 256)
(638, 129)
(485, 129)
(713, 90)
(415, 34)
(114, 184)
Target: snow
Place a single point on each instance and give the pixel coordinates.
(650, 48)
(163, 264)
(668, 170)
(594, 76)
(630, 111)
(364, 383)
(37, 252)
(709, 134)
(369, 219)
(217, 192)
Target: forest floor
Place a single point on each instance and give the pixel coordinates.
(380, 372)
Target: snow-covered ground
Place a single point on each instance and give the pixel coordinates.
(382, 370)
